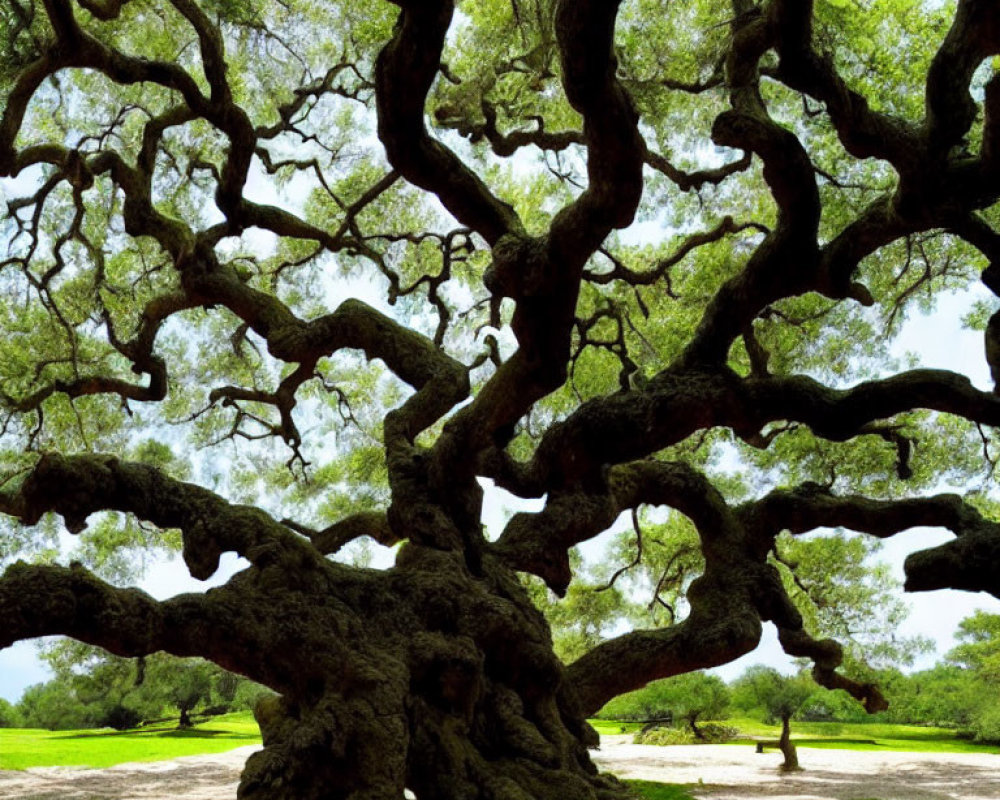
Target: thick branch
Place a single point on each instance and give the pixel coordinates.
(405, 70)
(77, 486)
(705, 639)
(630, 425)
(333, 538)
(43, 600)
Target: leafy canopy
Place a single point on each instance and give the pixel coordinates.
(287, 278)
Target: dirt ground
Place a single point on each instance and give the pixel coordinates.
(721, 772)
(731, 772)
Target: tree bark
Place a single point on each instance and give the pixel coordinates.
(791, 763)
(452, 691)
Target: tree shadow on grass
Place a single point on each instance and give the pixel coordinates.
(164, 733)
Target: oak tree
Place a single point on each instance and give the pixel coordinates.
(781, 696)
(282, 274)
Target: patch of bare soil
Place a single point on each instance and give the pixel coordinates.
(734, 772)
(721, 772)
(207, 777)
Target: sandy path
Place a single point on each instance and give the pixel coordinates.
(207, 777)
(731, 772)
(726, 773)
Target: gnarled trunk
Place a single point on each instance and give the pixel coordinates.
(185, 718)
(424, 677)
(791, 763)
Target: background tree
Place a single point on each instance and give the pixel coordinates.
(942, 695)
(685, 699)
(112, 690)
(978, 655)
(55, 706)
(10, 717)
(283, 275)
(781, 696)
(184, 686)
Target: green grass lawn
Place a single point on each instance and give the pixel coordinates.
(857, 736)
(23, 748)
(660, 791)
(611, 728)
(20, 749)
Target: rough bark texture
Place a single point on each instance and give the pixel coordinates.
(791, 762)
(438, 675)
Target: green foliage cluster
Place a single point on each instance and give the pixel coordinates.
(10, 716)
(710, 733)
(685, 699)
(92, 690)
(780, 696)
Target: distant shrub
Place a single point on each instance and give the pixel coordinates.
(716, 733)
(712, 733)
(120, 717)
(665, 736)
(9, 716)
(986, 724)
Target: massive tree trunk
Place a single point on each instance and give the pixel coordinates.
(438, 675)
(426, 677)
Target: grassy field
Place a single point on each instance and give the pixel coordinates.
(23, 748)
(660, 791)
(20, 748)
(611, 728)
(839, 735)
(865, 736)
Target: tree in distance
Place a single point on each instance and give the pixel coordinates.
(978, 655)
(684, 699)
(293, 280)
(781, 696)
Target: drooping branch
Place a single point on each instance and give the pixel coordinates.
(967, 562)
(827, 655)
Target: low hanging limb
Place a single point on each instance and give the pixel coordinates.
(77, 486)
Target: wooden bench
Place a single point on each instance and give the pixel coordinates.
(774, 744)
